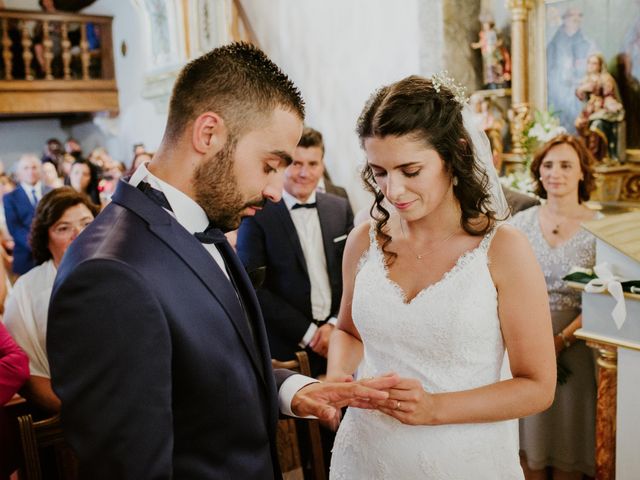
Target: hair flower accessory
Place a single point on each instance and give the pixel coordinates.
(444, 79)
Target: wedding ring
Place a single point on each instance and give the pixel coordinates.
(398, 405)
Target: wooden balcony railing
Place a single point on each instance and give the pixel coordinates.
(56, 63)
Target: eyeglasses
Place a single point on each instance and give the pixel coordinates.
(67, 229)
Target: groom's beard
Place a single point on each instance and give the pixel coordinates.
(216, 189)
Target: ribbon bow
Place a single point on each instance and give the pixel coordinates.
(607, 281)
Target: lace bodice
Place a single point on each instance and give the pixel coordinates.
(449, 338)
(556, 262)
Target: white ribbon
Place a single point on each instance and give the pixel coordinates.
(608, 281)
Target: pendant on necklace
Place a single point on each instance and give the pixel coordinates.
(556, 230)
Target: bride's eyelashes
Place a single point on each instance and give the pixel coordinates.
(409, 174)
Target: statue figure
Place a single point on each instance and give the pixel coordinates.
(602, 112)
(496, 61)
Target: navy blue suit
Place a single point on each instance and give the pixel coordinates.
(270, 241)
(152, 356)
(19, 211)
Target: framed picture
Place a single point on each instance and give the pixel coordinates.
(564, 35)
(164, 29)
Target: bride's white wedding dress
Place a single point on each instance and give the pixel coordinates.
(449, 338)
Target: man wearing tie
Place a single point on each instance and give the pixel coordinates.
(19, 207)
(156, 341)
(296, 246)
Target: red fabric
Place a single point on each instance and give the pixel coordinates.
(14, 366)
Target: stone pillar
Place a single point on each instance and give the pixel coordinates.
(606, 410)
(520, 108)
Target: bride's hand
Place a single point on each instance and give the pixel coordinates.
(409, 403)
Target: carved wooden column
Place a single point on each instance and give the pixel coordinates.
(520, 108)
(47, 43)
(66, 51)
(7, 56)
(27, 56)
(606, 410)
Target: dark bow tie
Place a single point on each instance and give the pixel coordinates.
(211, 234)
(156, 195)
(304, 205)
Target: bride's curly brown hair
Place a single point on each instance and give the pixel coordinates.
(414, 107)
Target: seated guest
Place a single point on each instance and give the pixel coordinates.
(83, 177)
(19, 207)
(297, 245)
(72, 147)
(61, 215)
(113, 172)
(138, 159)
(53, 152)
(50, 176)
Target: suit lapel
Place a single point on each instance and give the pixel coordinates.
(191, 251)
(291, 233)
(26, 200)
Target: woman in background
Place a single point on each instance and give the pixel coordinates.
(562, 437)
(83, 177)
(60, 217)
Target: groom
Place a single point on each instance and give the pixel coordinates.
(157, 345)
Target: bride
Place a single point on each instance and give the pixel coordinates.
(435, 291)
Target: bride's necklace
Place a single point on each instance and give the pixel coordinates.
(420, 256)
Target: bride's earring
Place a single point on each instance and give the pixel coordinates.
(455, 181)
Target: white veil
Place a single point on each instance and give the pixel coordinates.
(484, 161)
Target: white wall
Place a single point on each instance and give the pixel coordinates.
(338, 52)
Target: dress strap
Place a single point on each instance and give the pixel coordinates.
(486, 241)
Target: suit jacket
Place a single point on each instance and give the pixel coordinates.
(19, 212)
(270, 241)
(152, 357)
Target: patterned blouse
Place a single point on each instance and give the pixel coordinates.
(556, 262)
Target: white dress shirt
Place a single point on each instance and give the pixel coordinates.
(307, 223)
(192, 217)
(26, 315)
(29, 189)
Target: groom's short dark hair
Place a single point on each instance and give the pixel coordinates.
(238, 82)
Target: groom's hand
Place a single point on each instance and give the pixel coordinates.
(325, 399)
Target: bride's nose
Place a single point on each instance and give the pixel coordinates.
(395, 187)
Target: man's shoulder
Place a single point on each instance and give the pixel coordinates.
(332, 200)
(14, 194)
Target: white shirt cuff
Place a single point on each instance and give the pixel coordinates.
(311, 331)
(332, 321)
(289, 388)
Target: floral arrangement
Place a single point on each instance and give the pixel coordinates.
(543, 127)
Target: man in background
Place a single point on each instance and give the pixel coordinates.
(19, 207)
(297, 245)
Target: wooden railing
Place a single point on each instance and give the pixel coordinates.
(55, 63)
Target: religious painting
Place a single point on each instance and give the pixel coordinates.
(592, 63)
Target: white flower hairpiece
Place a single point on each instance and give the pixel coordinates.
(443, 79)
